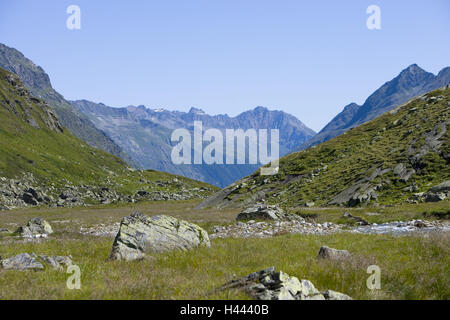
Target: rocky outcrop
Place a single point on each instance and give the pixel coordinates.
(140, 234)
(35, 228)
(265, 212)
(269, 284)
(27, 191)
(333, 254)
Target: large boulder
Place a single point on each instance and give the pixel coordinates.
(140, 234)
(269, 284)
(35, 228)
(438, 192)
(265, 212)
(333, 254)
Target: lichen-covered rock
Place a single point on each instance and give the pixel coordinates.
(333, 295)
(35, 228)
(57, 262)
(30, 261)
(331, 253)
(265, 212)
(23, 261)
(269, 284)
(140, 234)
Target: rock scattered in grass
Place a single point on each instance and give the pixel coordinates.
(57, 262)
(358, 220)
(269, 284)
(35, 228)
(333, 254)
(23, 261)
(140, 234)
(30, 261)
(265, 212)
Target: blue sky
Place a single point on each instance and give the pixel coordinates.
(225, 56)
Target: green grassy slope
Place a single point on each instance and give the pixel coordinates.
(386, 160)
(32, 141)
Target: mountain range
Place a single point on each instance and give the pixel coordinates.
(141, 135)
(42, 163)
(145, 134)
(411, 82)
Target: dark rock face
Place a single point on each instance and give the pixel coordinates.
(139, 234)
(411, 82)
(269, 284)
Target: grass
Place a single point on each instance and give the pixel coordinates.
(411, 267)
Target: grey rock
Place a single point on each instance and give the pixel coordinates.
(265, 212)
(57, 262)
(139, 234)
(333, 295)
(23, 261)
(442, 187)
(331, 253)
(359, 221)
(269, 284)
(35, 228)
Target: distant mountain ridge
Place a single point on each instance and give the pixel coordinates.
(411, 82)
(145, 135)
(38, 82)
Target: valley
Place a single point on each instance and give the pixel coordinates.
(412, 266)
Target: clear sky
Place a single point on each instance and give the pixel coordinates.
(227, 56)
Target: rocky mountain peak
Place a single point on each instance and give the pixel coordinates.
(196, 111)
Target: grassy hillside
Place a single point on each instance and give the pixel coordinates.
(387, 160)
(33, 142)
